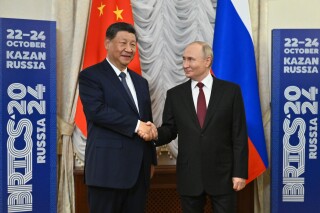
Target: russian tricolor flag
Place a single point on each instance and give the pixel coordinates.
(234, 61)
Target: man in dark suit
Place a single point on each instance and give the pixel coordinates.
(117, 105)
(208, 116)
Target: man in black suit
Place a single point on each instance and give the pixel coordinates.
(117, 105)
(208, 115)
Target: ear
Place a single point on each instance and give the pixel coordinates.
(106, 43)
(208, 61)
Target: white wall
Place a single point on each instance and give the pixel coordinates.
(292, 14)
(27, 9)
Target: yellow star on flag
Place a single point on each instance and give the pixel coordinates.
(118, 13)
(101, 8)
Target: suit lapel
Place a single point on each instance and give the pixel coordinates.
(139, 90)
(213, 100)
(114, 79)
(211, 106)
(189, 103)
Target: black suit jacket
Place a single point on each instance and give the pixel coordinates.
(114, 152)
(208, 158)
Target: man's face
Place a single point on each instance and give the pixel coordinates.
(195, 65)
(121, 49)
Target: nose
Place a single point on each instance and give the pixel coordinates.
(185, 63)
(128, 48)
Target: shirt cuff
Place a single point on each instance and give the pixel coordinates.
(137, 127)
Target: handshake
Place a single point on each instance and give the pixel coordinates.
(148, 131)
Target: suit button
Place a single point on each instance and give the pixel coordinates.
(202, 135)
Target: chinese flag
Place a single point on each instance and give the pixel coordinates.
(103, 13)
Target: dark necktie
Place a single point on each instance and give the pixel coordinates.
(201, 105)
(122, 75)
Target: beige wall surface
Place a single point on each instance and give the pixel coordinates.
(27, 9)
(292, 14)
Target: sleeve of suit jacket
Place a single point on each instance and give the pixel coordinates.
(98, 111)
(168, 130)
(239, 137)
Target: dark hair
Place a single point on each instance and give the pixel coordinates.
(113, 29)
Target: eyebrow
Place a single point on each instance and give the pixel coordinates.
(186, 57)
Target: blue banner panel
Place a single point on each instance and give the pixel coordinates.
(295, 171)
(27, 115)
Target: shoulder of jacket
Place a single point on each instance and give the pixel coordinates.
(226, 83)
(93, 68)
(181, 87)
(134, 74)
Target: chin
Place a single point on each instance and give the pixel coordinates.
(126, 63)
(188, 75)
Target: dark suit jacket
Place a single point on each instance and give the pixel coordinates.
(114, 153)
(208, 158)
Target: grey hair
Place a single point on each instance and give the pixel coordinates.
(206, 49)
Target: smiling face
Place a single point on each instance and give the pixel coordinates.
(195, 64)
(121, 49)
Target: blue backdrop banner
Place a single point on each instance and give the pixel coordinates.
(295, 163)
(27, 115)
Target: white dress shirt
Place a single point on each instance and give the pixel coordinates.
(207, 82)
(131, 87)
(129, 82)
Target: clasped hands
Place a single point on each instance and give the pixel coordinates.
(148, 131)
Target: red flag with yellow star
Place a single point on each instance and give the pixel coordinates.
(103, 13)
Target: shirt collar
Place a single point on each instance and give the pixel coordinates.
(117, 71)
(207, 82)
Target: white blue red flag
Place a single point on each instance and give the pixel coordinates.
(234, 61)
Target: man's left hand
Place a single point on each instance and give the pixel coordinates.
(238, 183)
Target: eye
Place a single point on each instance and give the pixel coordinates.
(188, 59)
